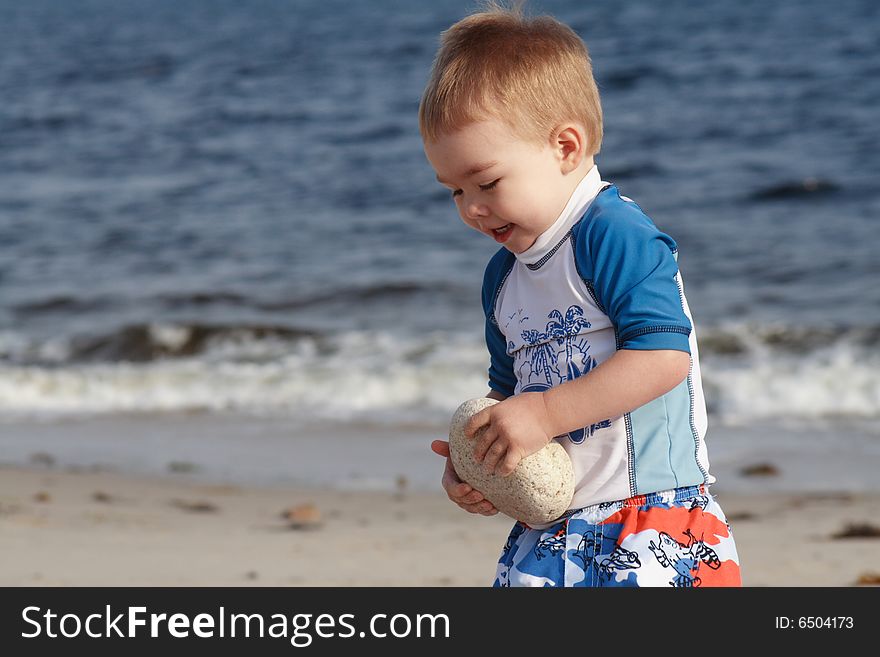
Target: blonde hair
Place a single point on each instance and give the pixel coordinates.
(532, 73)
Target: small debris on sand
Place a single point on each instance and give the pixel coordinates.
(868, 579)
(101, 496)
(401, 484)
(741, 515)
(302, 516)
(804, 499)
(43, 458)
(42, 497)
(759, 470)
(182, 467)
(197, 506)
(8, 509)
(858, 530)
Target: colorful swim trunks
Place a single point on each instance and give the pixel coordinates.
(672, 538)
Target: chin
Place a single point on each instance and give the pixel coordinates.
(520, 248)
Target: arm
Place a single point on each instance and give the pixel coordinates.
(621, 384)
(523, 424)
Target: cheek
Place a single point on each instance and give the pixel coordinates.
(535, 195)
(519, 205)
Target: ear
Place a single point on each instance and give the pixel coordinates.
(570, 143)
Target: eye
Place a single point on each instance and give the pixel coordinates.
(490, 185)
(456, 192)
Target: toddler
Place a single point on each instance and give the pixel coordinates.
(590, 338)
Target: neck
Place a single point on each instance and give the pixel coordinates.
(574, 177)
(577, 174)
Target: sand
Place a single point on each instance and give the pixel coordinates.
(73, 528)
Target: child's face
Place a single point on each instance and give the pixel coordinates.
(514, 199)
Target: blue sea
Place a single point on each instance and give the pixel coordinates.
(224, 207)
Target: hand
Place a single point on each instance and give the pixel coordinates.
(463, 494)
(511, 430)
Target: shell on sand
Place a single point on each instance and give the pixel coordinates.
(538, 491)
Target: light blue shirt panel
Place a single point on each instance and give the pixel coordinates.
(663, 443)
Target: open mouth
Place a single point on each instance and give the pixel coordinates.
(501, 234)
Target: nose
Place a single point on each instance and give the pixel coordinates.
(474, 210)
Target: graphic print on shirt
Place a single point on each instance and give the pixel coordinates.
(553, 357)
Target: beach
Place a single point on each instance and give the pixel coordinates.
(102, 529)
(236, 306)
(67, 523)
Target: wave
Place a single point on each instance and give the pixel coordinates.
(349, 375)
(756, 340)
(634, 170)
(366, 294)
(778, 372)
(629, 77)
(808, 187)
(62, 303)
(144, 343)
(48, 123)
(195, 300)
(157, 66)
(749, 372)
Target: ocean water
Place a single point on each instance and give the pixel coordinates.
(224, 206)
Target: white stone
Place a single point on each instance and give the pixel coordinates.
(538, 491)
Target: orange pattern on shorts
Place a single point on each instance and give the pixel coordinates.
(684, 526)
(673, 521)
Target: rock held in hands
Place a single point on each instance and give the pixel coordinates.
(538, 491)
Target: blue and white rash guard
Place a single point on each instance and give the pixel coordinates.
(601, 278)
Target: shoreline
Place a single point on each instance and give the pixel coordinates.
(255, 450)
(60, 527)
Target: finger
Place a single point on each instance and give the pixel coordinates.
(508, 464)
(485, 508)
(461, 493)
(477, 421)
(452, 484)
(474, 497)
(485, 441)
(496, 452)
(440, 447)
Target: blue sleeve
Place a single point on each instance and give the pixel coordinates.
(631, 268)
(501, 376)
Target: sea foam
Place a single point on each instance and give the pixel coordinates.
(749, 373)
